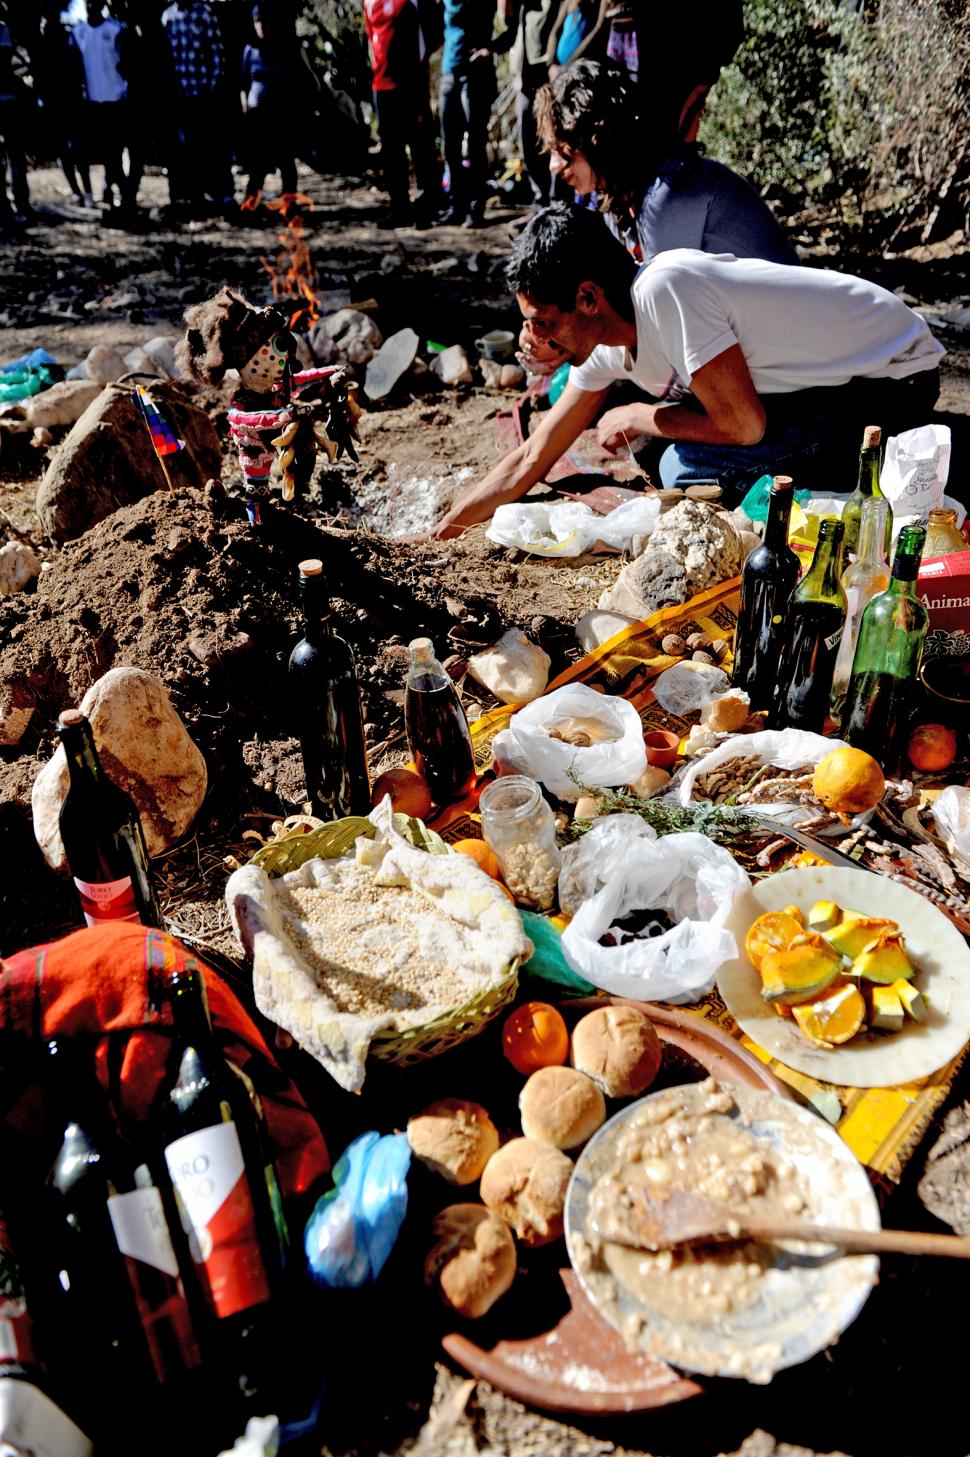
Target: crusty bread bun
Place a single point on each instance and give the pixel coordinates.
(560, 1105)
(525, 1184)
(618, 1048)
(455, 1138)
(473, 1262)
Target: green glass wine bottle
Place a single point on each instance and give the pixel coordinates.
(885, 669)
(868, 485)
(810, 641)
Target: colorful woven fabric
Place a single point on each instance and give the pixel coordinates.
(107, 983)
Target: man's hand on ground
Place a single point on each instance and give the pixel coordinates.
(619, 426)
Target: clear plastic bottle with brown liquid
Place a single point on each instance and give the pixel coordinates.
(437, 729)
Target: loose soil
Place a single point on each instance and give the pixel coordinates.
(179, 584)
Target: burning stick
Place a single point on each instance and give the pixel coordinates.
(163, 436)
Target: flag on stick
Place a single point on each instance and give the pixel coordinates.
(164, 439)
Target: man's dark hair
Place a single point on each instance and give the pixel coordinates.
(562, 247)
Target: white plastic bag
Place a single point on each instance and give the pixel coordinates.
(951, 813)
(915, 469)
(695, 881)
(688, 686)
(564, 769)
(785, 748)
(568, 528)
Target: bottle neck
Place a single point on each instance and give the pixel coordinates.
(869, 472)
(190, 1011)
(872, 535)
(315, 602)
(822, 577)
(909, 552)
(83, 763)
(779, 515)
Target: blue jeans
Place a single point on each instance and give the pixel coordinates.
(812, 435)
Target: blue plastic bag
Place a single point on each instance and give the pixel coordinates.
(354, 1227)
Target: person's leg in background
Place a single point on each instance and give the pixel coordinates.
(541, 180)
(424, 157)
(479, 91)
(451, 110)
(393, 129)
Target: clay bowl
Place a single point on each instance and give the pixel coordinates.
(662, 747)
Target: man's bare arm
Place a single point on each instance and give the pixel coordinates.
(725, 409)
(523, 467)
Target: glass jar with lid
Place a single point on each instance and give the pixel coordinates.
(943, 536)
(519, 826)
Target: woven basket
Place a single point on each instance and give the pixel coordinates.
(413, 1044)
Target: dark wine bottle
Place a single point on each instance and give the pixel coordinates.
(885, 668)
(227, 1193)
(767, 581)
(868, 485)
(813, 629)
(437, 729)
(102, 835)
(326, 700)
(113, 1254)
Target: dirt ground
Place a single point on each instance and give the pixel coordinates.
(178, 585)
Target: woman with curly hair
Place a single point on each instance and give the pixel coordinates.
(655, 191)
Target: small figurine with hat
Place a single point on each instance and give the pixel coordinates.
(279, 416)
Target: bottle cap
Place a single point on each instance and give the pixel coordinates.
(423, 647)
(782, 483)
(312, 567)
(70, 718)
(871, 437)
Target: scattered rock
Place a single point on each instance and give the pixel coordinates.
(597, 627)
(62, 404)
(452, 366)
(515, 669)
(322, 347)
(108, 459)
(512, 377)
(144, 748)
(16, 710)
(945, 1186)
(41, 438)
(354, 334)
(103, 364)
(393, 359)
(692, 547)
(19, 564)
(491, 374)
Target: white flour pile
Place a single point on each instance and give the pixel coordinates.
(403, 507)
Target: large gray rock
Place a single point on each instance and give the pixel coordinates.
(692, 547)
(355, 336)
(62, 404)
(103, 364)
(393, 359)
(108, 459)
(144, 747)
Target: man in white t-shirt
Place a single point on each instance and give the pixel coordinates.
(99, 40)
(750, 367)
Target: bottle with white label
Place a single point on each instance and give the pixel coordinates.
(226, 1191)
(122, 1317)
(102, 835)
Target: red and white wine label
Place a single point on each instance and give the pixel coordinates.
(209, 1174)
(15, 1342)
(141, 1229)
(107, 900)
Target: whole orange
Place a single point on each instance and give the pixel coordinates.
(409, 792)
(535, 1036)
(483, 855)
(848, 781)
(932, 746)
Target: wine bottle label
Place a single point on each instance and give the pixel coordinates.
(15, 1342)
(208, 1170)
(107, 900)
(141, 1230)
(833, 641)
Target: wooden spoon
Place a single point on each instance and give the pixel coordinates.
(634, 1216)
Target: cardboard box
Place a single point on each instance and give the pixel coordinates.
(943, 586)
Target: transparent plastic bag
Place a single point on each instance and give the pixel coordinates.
(354, 1226)
(568, 528)
(951, 814)
(686, 875)
(785, 748)
(565, 769)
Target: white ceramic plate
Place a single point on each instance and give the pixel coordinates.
(810, 1292)
(873, 1059)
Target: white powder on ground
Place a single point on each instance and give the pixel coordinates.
(395, 507)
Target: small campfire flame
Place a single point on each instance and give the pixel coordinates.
(293, 275)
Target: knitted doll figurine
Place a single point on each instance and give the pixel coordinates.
(278, 418)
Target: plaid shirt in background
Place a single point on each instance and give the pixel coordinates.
(196, 44)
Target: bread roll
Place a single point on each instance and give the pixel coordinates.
(525, 1184)
(618, 1048)
(455, 1138)
(473, 1262)
(560, 1105)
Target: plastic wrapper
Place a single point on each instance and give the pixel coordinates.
(683, 689)
(786, 748)
(260, 1439)
(951, 814)
(628, 868)
(568, 528)
(565, 769)
(354, 1226)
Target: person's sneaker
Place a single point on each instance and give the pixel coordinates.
(396, 217)
(452, 217)
(476, 216)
